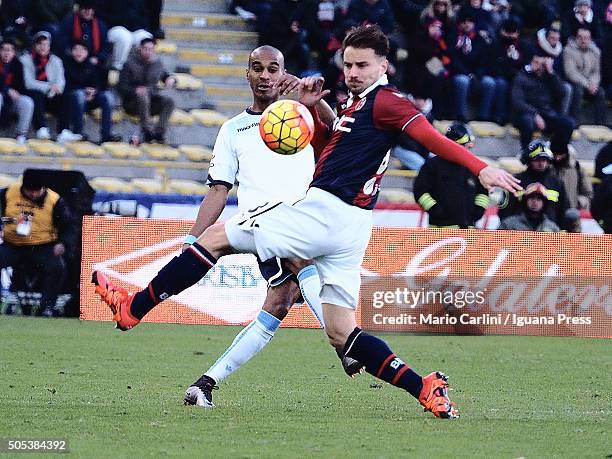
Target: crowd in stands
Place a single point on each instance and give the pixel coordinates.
(551, 55)
(55, 56)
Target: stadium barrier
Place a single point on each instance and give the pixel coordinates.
(413, 280)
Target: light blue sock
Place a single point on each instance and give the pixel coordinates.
(310, 285)
(249, 342)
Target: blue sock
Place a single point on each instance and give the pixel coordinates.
(179, 274)
(310, 286)
(381, 362)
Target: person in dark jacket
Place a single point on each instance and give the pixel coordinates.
(15, 21)
(468, 53)
(532, 216)
(138, 88)
(603, 160)
(84, 93)
(507, 60)
(537, 95)
(38, 231)
(451, 195)
(13, 98)
(539, 159)
(606, 52)
(47, 14)
(86, 27)
(601, 206)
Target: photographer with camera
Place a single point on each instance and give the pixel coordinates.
(37, 232)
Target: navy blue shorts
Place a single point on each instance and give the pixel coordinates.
(274, 272)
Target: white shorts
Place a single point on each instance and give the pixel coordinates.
(320, 227)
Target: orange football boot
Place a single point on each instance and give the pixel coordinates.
(434, 396)
(118, 299)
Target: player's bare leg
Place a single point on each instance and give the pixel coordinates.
(344, 334)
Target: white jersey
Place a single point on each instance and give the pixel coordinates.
(240, 156)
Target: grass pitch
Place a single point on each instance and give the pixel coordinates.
(113, 394)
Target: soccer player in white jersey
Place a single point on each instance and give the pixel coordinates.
(332, 224)
(240, 156)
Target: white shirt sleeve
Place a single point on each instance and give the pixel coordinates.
(224, 163)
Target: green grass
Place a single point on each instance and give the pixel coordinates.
(115, 394)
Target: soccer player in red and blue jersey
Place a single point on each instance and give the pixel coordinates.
(332, 224)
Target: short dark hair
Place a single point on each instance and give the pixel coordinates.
(8, 41)
(367, 36)
(82, 43)
(146, 40)
(578, 29)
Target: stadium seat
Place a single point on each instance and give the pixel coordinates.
(396, 196)
(160, 152)
(111, 184)
(214, 70)
(11, 147)
(588, 166)
(186, 82)
(85, 149)
(208, 117)
(165, 47)
(117, 115)
(221, 57)
(511, 164)
(181, 118)
(148, 185)
(6, 180)
(196, 153)
(227, 91)
(121, 150)
(187, 187)
(596, 133)
(487, 129)
(46, 147)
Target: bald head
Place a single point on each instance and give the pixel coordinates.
(267, 53)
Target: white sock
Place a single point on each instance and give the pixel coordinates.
(249, 342)
(310, 285)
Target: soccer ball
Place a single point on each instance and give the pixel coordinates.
(286, 127)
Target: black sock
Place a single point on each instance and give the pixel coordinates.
(381, 362)
(179, 274)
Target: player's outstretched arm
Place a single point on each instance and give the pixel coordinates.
(210, 210)
(490, 177)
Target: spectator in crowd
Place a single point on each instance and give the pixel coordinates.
(412, 154)
(539, 158)
(451, 195)
(127, 26)
(428, 65)
(13, 98)
(572, 222)
(84, 92)
(408, 13)
(370, 12)
(507, 60)
(84, 26)
(155, 9)
(582, 17)
(483, 22)
(44, 81)
(603, 160)
(537, 94)
(601, 207)
(534, 14)
(289, 29)
(137, 85)
(576, 183)
(606, 56)
(582, 64)
(469, 52)
(443, 11)
(38, 233)
(532, 216)
(549, 44)
(14, 21)
(500, 11)
(47, 14)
